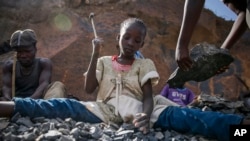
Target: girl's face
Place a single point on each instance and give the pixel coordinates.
(131, 39)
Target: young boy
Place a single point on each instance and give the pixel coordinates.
(180, 95)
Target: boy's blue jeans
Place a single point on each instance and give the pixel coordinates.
(53, 108)
(194, 121)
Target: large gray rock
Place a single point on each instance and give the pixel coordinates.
(207, 59)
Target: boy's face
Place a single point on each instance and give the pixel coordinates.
(131, 39)
(26, 55)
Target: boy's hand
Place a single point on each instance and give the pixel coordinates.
(141, 121)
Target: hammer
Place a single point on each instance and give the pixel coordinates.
(91, 17)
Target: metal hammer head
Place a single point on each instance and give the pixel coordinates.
(91, 15)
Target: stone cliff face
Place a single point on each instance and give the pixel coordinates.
(65, 33)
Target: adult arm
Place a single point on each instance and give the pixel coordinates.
(7, 81)
(90, 78)
(191, 14)
(239, 26)
(44, 79)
